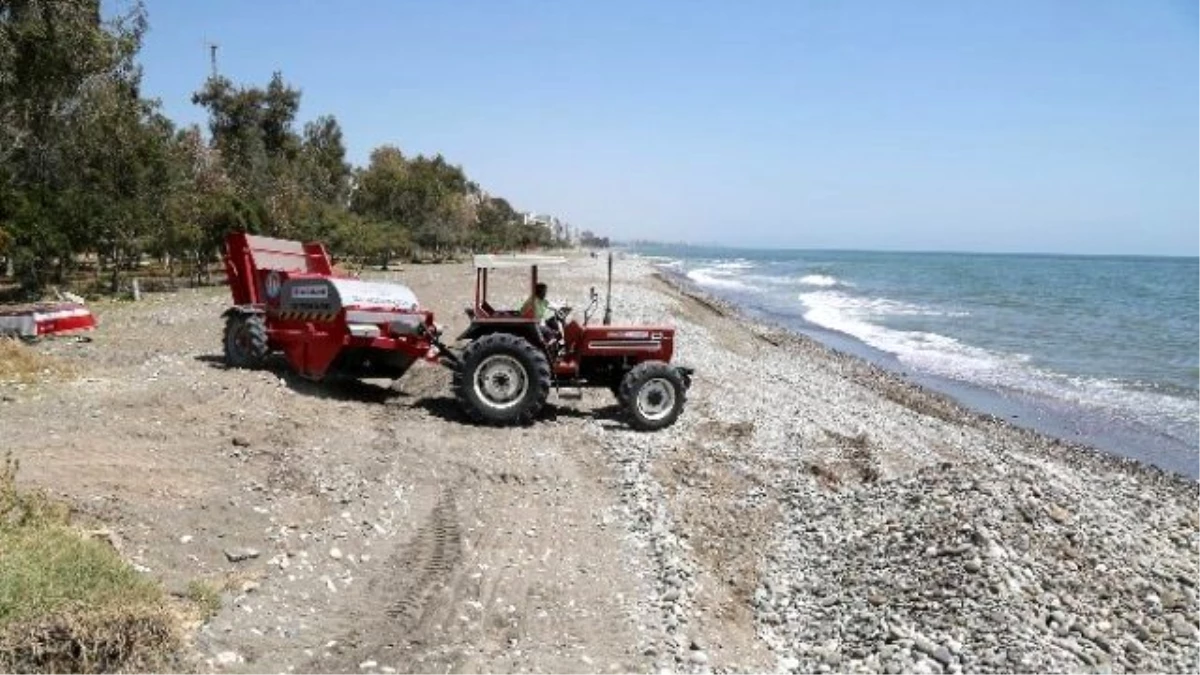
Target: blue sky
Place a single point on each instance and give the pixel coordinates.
(1023, 125)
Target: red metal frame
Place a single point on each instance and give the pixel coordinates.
(311, 345)
(249, 259)
(31, 321)
(313, 341)
(580, 342)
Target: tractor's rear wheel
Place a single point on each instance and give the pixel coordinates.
(246, 341)
(502, 379)
(652, 394)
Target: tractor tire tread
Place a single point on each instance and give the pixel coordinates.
(635, 379)
(531, 357)
(256, 324)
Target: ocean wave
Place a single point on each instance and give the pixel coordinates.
(733, 265)
(852, 316)
(948, 357)
(871, 307)
(819, 280)
(792, 281)
(713, 277)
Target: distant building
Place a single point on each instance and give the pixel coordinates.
(558, 228)
(531, 218)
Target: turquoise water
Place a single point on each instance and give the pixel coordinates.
(1113, 340)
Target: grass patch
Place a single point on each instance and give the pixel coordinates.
(205, 597)
(25, 509)
(22, 364)
(70, 604)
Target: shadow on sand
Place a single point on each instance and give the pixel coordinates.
(333, 387)
(446, 408)
(443, 407)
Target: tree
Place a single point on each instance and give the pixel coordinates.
(368, 241)
(426, 197)
(119, 187)
(253, 130)
(437, 203)
(89, 166)
(325, 174)
(496, 219)
(383, 203)
(280, 103)
(235, 123)
(380, 192)
(202, 207)
(67, 81)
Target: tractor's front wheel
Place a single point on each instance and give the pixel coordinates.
(652, 394)
(246, 341)
(502, 379)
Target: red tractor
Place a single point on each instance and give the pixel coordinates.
(287, 298)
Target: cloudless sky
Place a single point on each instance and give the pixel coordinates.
(1014, 125)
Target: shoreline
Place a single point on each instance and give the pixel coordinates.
(931, 526)
(808, 512)
(1017, 410)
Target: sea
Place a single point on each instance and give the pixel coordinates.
(1101, 350)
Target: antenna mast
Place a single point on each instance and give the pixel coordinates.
(212, 55)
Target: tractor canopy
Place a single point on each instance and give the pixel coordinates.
(486, 262)
(494, 261)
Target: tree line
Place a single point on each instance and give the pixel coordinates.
(93, 174)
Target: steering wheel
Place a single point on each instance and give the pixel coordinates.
(561, 313)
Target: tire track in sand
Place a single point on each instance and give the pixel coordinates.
(425, 564)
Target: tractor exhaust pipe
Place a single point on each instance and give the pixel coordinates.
(608, 294)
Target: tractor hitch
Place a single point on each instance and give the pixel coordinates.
(445, 356)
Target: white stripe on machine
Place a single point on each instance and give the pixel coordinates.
(365, 316)
(624, 344)
(363, 330)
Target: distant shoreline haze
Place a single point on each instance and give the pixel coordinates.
(784, 249)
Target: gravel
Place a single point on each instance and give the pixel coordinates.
(875, 527)
(916, 536)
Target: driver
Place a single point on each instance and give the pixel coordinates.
(537, 307)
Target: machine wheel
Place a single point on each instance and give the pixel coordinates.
(652, 394)
(245, 340)
(502, 379)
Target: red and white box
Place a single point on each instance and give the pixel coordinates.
(33, 321)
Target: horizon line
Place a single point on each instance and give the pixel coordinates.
(786, 248)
